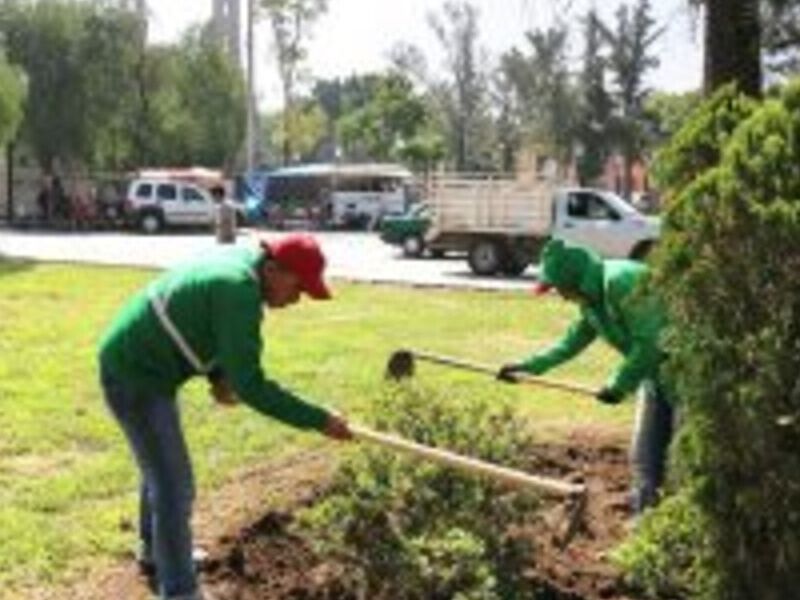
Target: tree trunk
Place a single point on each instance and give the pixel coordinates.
(10, 183)
(733, 45)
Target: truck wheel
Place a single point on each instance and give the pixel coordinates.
(413, 246)
(514, 266)
(641, 250)
(151, 222)
(485, 257)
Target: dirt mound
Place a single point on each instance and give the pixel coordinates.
(268, 560)
(257, 555)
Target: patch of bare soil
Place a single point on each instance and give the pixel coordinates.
(255, 554)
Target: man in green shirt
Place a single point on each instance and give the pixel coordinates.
(614, 307)
(202, 318)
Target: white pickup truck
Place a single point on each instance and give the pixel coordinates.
(502, 223)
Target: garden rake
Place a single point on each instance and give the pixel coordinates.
(401, 364)
(574, 493)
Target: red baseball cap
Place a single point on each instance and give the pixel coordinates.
(300, 254)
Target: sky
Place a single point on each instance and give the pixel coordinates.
(355, 36)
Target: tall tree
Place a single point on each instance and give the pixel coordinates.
(212, 90)
(462, 97)
(385, 123)
(308, 131)
(12, 98)
(108, 50)
(291, 21)
(78, 67)
(41, 38)
(732, 45)
(631, 57)
(595, 105)
(507, 121)
(545, 94)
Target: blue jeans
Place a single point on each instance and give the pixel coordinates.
(652, 433)
(151, 423)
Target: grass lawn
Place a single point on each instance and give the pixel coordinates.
(66, 479)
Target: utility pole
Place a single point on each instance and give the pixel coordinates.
(251, 98)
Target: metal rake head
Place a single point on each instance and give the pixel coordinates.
(400, 365)
(575, 512)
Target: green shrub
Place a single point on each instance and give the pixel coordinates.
(669, 557)
(412, 529)
(728, 268)
(696, 147)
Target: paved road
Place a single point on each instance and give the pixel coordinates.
(351, 256)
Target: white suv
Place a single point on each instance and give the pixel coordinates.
(153, 204)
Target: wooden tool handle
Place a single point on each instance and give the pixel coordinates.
(522, 378)
(472, 465)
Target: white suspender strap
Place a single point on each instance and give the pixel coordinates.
(159, 306)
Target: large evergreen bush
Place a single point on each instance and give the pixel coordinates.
(729, 268)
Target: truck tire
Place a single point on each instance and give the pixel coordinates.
(514, 266)
(151, 222)
(413, 246)
(641, 250)
(486, 257)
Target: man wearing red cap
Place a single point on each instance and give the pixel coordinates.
(202, 318)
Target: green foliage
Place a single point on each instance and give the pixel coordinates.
(544, 94)
(412, 529)
(669, 111)
(595, 106)
(291, 21)
(460, 97)
(669, 557)
(44, 38)
(728, 267)
(697, 146)
(98, 98)
(12, 98)
(379, 128)
(631, 57)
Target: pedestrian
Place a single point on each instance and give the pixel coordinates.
(202, 318)
(224, 216)
(613, 306)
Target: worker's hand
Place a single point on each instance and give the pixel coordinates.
(509, 372)
(222, 393)
(337, 428)
(608, 396)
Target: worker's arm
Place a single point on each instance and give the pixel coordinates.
(578, 336)
(237, 330)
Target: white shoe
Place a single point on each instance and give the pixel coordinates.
(147, 564)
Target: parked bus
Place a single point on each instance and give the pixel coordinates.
(345, 196)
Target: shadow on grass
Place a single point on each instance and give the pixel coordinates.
(11, 266)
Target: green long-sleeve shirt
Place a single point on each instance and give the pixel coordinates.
(216, 305)
(630, 322)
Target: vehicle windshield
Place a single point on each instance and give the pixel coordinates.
(618, 203)
(419, 210)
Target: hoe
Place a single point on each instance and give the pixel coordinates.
(402, 364)
(574, 493)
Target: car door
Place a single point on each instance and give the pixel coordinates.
(590, 221)
(196, 206)
(167, 199)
